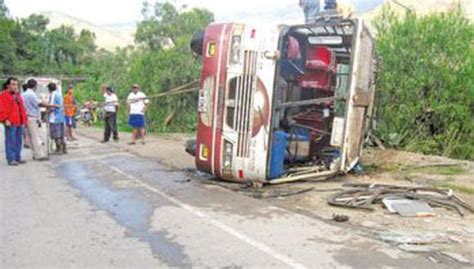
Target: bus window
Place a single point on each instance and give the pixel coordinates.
(341, 90)
(230, 102)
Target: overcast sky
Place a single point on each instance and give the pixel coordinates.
(126, 11)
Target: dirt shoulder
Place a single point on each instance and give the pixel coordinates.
(444, 238)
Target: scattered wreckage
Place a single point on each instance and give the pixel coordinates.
(407, 201)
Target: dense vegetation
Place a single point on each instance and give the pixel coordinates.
(426, 83)
(27, 47)
(160, 60)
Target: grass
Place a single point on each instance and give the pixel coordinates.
(459, 188)
(445, 170)
(451, 170)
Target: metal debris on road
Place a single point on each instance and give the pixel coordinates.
(265, 194)
(417, 248)
(455, 256)
(340, 218)
(363, 196)
(408, 207)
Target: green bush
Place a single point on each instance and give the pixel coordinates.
(425, 84)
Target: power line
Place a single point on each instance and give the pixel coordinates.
(60, 77)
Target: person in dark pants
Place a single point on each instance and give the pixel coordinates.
(14, 118)
(56, 118)
(111, 109)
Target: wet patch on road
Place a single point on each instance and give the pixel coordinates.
(129, 207)
(202, 196)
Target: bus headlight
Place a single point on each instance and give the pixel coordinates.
(203, 152)
(227, 160)
(235, 52)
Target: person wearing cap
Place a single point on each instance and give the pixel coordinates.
(69, 112)
(137, 104)
(111, 109)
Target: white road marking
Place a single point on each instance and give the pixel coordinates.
(262, 247)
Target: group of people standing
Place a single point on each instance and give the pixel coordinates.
(137, 104)
(20, 114)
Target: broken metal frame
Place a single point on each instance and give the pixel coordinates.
(363, 196)
(315, 176)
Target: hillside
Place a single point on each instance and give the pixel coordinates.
(121, 35)
(107, 37)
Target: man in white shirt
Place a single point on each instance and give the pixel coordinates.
(137, 104)
(32, 106)
(111, 108)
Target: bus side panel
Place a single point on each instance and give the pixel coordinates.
(360, 98)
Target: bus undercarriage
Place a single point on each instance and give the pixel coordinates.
(292, 104)
(319, 80)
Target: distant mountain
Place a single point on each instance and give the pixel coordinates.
(121, 35)
(108, 37)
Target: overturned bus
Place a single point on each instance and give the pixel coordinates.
(285, 103)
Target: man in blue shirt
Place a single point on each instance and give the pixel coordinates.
(56, 118)
(32, 106)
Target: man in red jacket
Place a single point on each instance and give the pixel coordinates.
(13, 116)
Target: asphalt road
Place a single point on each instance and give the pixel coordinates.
(100, 206)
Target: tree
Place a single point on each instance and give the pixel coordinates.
(165, 60)
(35, 24)
(425, 85)
(3, 9)
(164, 25)
(62, 46)
(86, 41)
(8, 58)
(7, 43)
